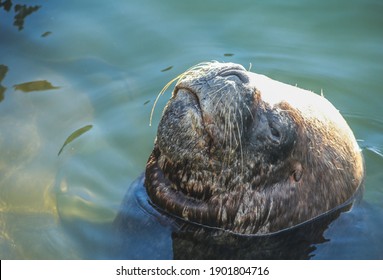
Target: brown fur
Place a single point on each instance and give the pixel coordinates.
(238, 151)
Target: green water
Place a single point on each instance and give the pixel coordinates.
(98, 65)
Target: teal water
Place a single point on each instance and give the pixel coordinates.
(66, 65)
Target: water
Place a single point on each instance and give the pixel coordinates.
(103, 63)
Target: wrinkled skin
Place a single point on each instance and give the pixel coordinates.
(238, 151)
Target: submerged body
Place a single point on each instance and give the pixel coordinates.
(241, 152)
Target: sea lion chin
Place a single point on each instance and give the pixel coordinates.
(241, 152)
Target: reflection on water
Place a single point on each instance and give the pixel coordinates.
(21, 11)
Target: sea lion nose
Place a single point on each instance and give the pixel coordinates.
(222, 93)
(240, 73)
(226, 101)
(226, 91)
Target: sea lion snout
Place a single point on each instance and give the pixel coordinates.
(220, 100)
(218, 84)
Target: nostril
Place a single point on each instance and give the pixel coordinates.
(240, 74)
(275, 133)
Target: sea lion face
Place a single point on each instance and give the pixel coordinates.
(239, 151)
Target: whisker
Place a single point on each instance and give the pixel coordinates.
(215, 93)
(248, 109)
(239, 136)
(250, 65)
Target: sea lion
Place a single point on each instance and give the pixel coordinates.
(247, 154)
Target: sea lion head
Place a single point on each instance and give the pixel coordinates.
(241, 152)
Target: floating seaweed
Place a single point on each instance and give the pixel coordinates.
(35, 86)
(45, 34)
(167, 69)
(75, 135)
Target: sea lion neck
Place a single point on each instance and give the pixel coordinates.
(200, 204)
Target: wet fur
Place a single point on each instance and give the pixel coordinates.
(206, 169)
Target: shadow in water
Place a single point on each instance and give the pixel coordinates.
(295, 243)
(177, 239)
(21, 11)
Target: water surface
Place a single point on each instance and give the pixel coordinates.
(69, 65)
